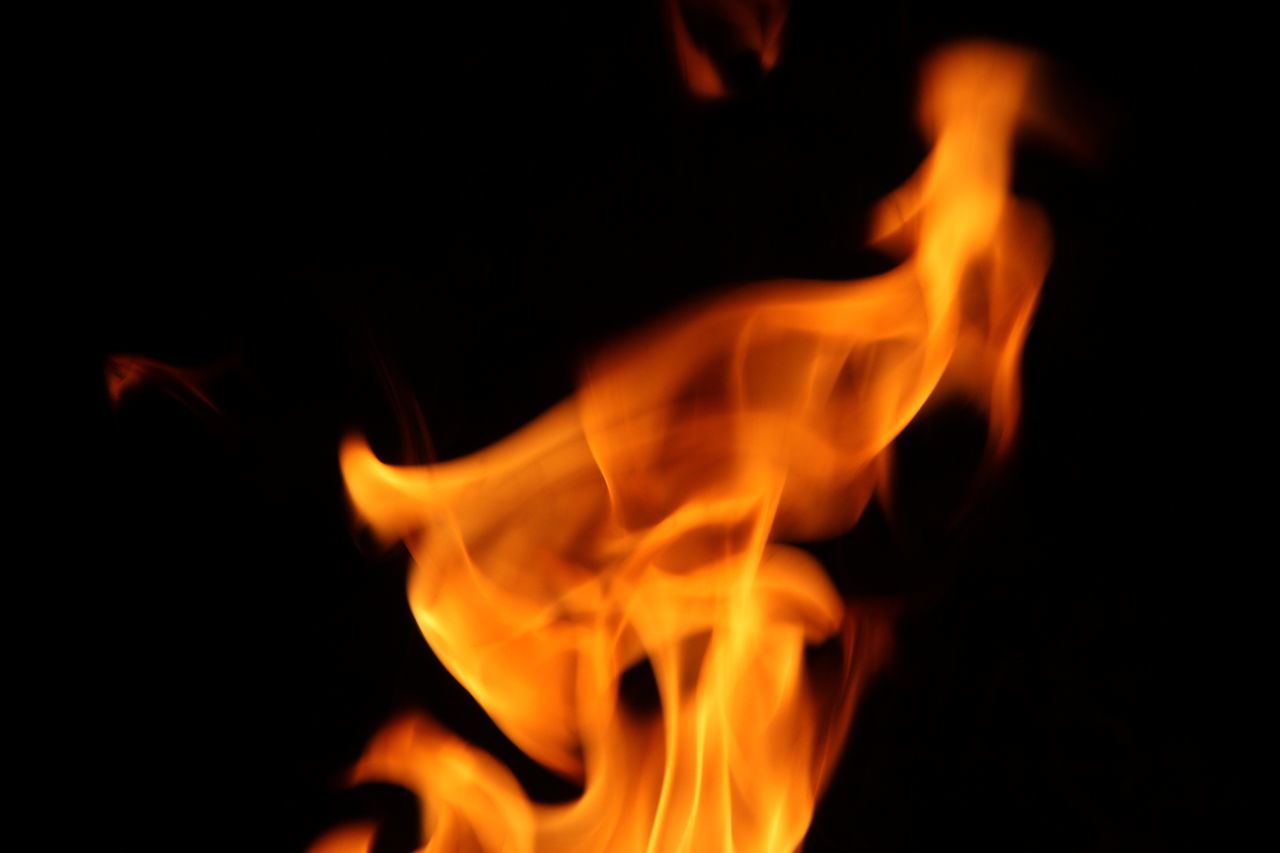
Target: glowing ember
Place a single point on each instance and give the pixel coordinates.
(643, 519)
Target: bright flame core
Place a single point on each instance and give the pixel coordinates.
(643, 519)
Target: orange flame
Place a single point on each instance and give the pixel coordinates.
(739, 27)
(127, 373)
(355, 838)
(643, 519)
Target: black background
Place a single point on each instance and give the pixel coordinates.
(460, 206)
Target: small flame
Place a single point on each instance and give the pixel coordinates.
(128, 373)
(353, 838)
(644, 519)
(736, 29)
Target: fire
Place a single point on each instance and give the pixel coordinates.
(645, 519)
(734, 29)
(127, 373)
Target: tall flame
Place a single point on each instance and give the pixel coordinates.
(644, 519)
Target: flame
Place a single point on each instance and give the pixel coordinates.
(127, 373)
(750, 27)
(353, 838)
(644, 519)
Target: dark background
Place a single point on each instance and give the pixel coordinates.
(337, 214)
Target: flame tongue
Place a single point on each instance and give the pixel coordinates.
(642, 519)
(744, 29)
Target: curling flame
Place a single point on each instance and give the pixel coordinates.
(644, 519)
(127, 373)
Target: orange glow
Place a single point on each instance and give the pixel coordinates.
(646, 517)
(127, 373)
(356, 838)
(751, 27)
